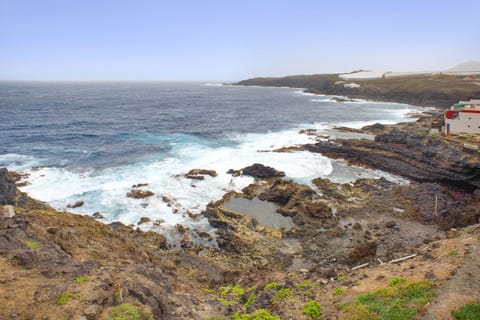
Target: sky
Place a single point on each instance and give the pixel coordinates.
(231, 40)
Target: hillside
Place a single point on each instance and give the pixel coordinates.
(440, 90)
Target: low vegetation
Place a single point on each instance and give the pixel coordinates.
(128, 311)
(312, 309)
(401, 300)
(32, 244)
(470, 311)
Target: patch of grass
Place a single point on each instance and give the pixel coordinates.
(250, 300)
(282, 295)
(453, 253)
(470, 311)
(305, 285)
(338, 291)
(32, 244)
(312, 309)
(342, 278)
(260, 314)
(63, 298)
(227, 303)
(81, 279)
(400, 301)
(396, 281)
(270, 286)
(128, 311)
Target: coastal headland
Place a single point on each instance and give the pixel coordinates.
(332, 251)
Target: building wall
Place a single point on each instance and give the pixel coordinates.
(466, 122)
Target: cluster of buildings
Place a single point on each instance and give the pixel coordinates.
(463, 117)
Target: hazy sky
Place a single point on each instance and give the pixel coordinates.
(230, 40)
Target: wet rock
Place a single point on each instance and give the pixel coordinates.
(98, 215)
(139, 185)
(144, 220)
(196, 173)
(8, 189)
(180, 228)
(194, 177)
(76, 204)
(258, 171)
(7, 212)
(140, 194)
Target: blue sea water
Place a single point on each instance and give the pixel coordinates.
(95, 140)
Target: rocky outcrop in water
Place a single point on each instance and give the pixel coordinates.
(414, 156)
(258, 171)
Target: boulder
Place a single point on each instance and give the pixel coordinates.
(8, 189)
(91, 311)
(258, 171)
(76, 204)
(202, 172)
(7, 212)
(140, 194)
(98, 215)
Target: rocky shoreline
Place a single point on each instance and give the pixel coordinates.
(57, 265)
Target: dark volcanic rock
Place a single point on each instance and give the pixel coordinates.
(362, 251)
(414, 156)
(8, 189)
(76, 204)
(259, 171)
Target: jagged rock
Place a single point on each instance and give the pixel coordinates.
(140, 194)
(7, 212)
(194, 177)
(200, 172)
(8, 189)
(27, 258)
(144, 220)
(139, 185)
(259, 171)
(76, 204)
(180, 228)
(98, 215)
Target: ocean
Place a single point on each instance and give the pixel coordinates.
(93, 141)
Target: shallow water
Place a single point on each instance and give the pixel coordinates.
(263, 211)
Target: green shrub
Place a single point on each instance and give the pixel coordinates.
(251, 300)
(270, 286)
(128, 311)
(81, 279)
(260, 314)
(312, 310)
(338, 291)
(470, 311)
(63, 298)
(396, 281)
(453, 253)
(32, 244)
(282, 294)
(400, 301)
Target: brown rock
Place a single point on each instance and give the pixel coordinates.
(363, 250)
(76, 204)
(91, 311)
(139, 185)
(144, 220)
(98, 215)
(139, 194)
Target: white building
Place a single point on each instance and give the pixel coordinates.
(463, 117)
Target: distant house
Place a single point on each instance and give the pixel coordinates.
(463, 117)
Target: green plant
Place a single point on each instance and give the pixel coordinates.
(305, 285)
(470, 311)
(396, 281)
(63, 298)
(32, 244)
(281, 295)
(81, 279)
(338, 291)
(260, 314)
(453, 253)
(400, 301)
(312, 310)
(128, 311)
(342, 278)
(251, 300)
(270, 286)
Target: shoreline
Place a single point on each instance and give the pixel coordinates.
(428, 226)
